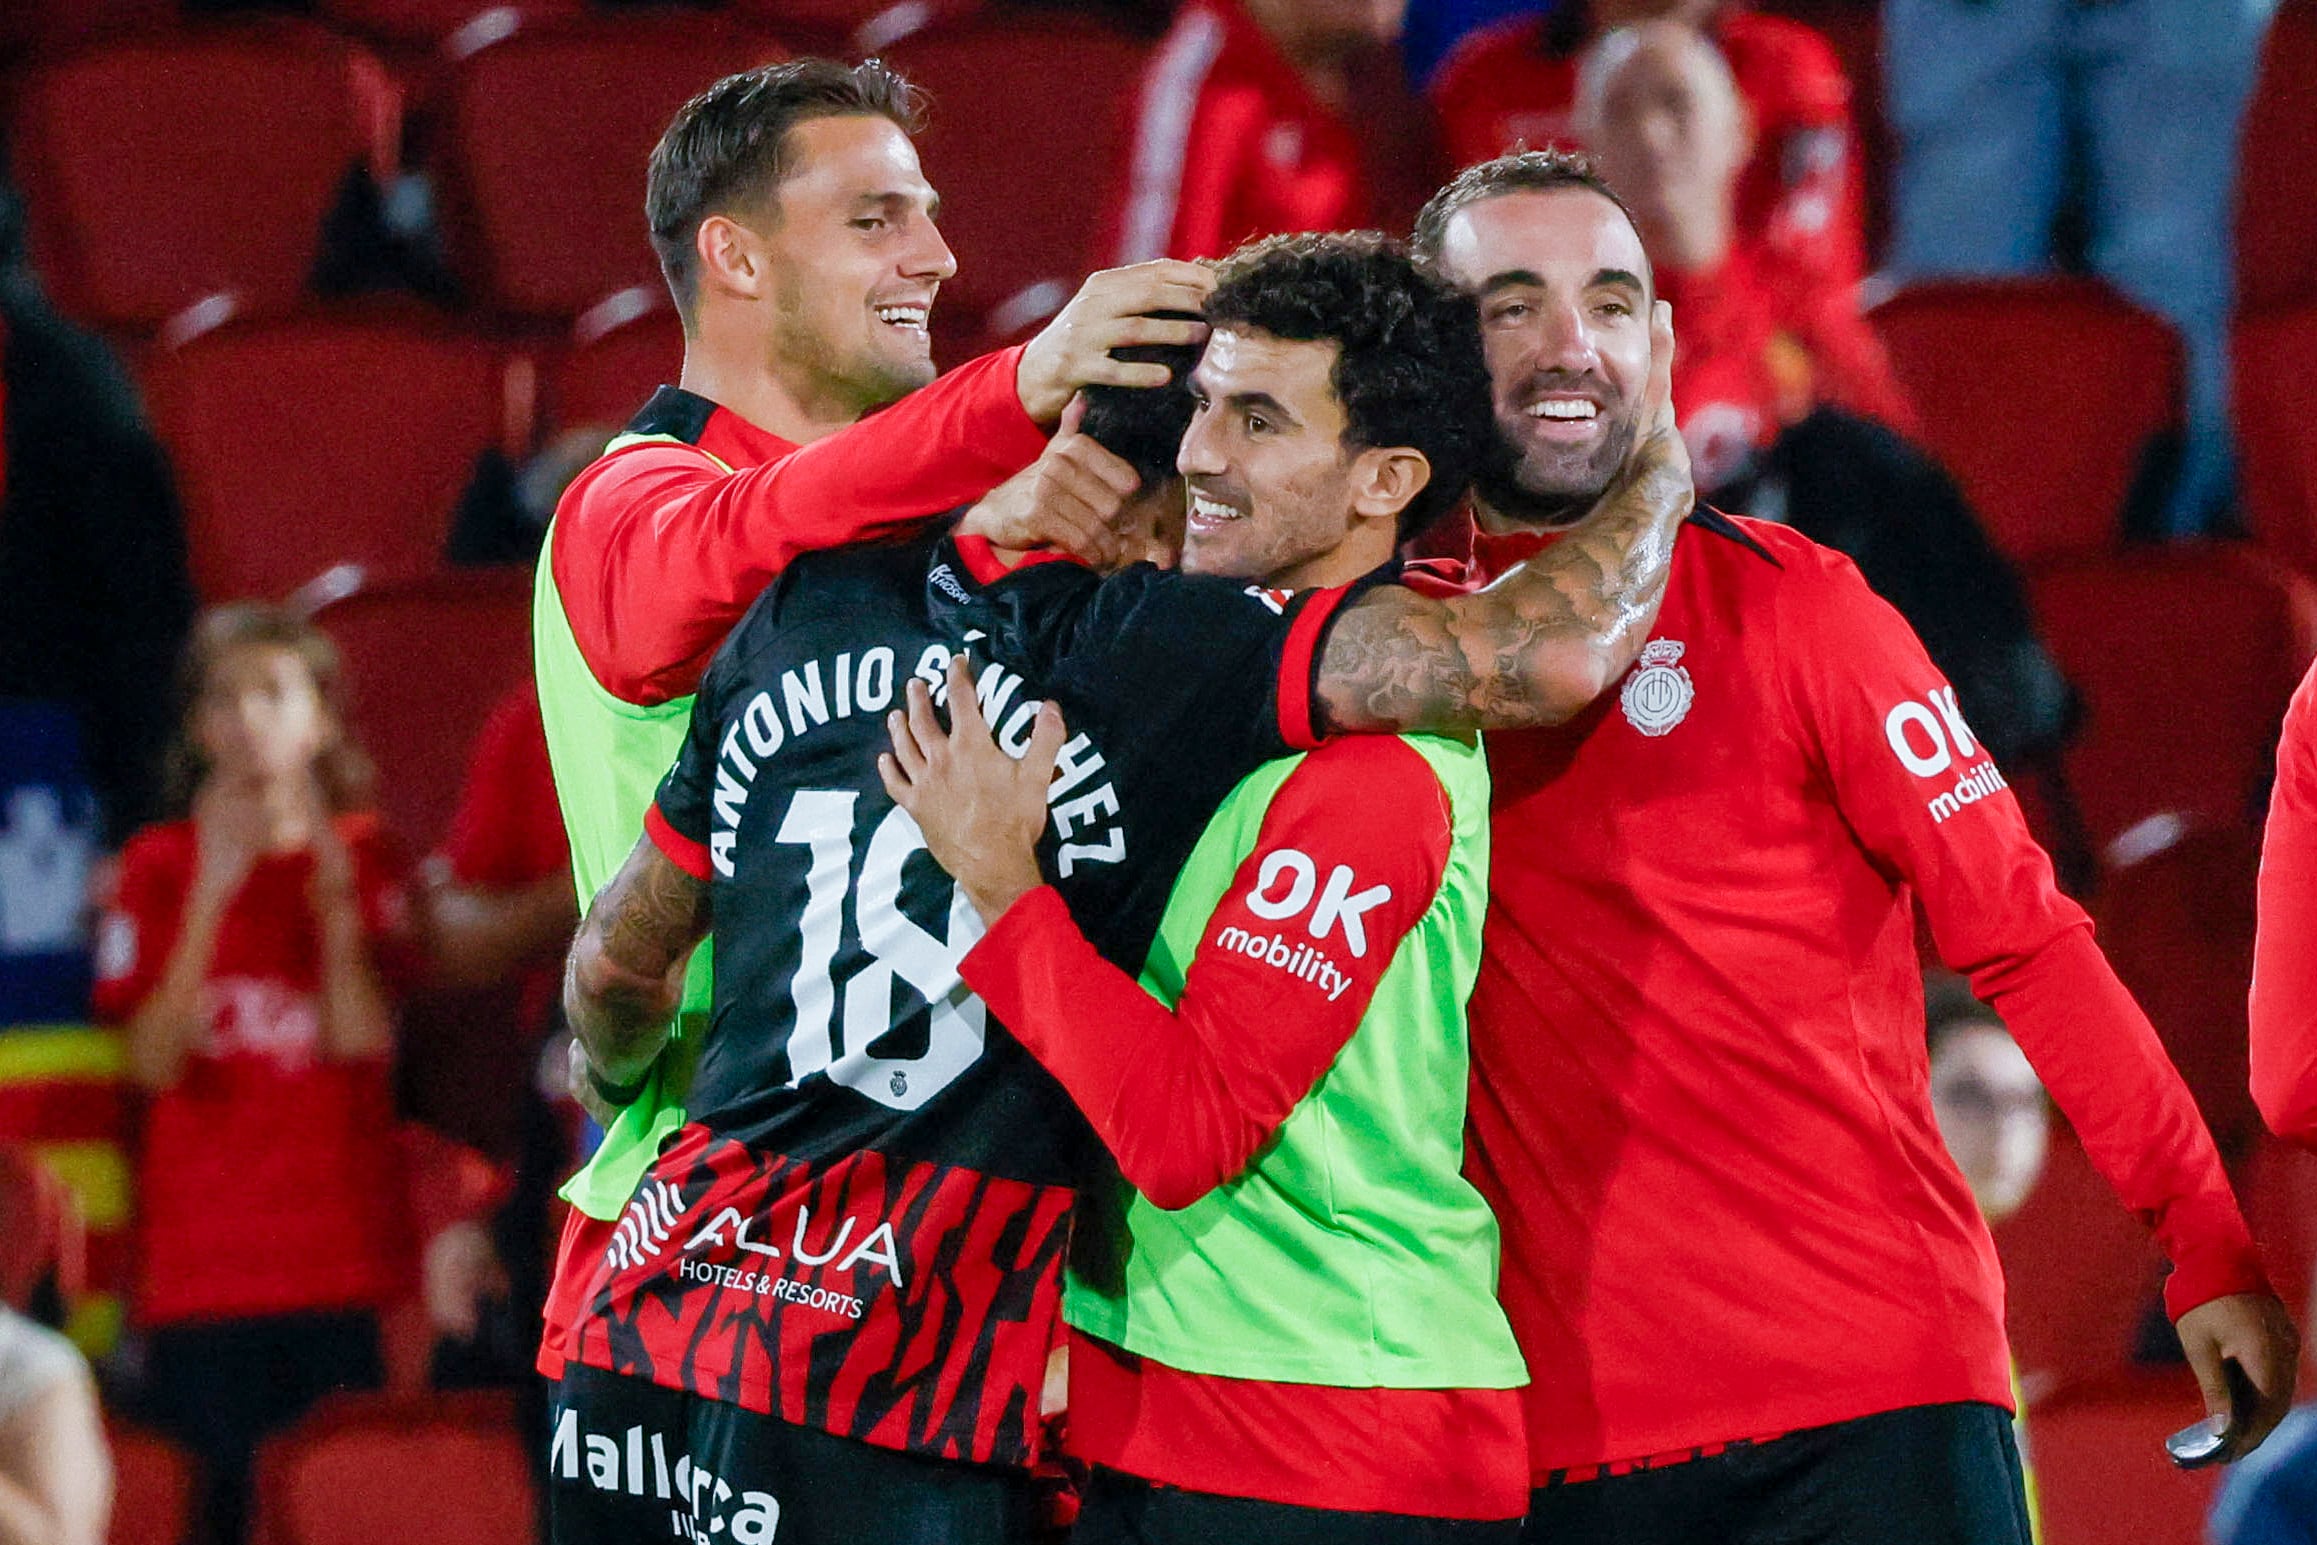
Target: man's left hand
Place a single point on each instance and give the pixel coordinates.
(2253, 1331)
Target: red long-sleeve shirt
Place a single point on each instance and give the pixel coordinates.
(1701, 1105)
(660, 547)
(1802, 197)
(1185, 1098)
(2284, 1002)
(1228, 143)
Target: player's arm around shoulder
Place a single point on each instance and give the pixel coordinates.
(1547, 638)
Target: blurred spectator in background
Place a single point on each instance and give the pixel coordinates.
(56, 1476)
(1435, 27)
(1255, 117)
(1993, 102)
(92, 547)
(1798, 201)
(1991, 1107)
(248, 953)
(92, 560)
(500, 909)
(1790, 408)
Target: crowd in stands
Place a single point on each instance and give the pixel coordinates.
(287, 395)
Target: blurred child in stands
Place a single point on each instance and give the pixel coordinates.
(248, 952)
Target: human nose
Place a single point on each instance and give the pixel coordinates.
(929, 256)
(1199, 455)
(1565, 341)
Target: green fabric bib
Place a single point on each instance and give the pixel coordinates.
(1353, 1252)
(609, 757)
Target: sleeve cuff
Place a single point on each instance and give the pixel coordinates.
(678, 849)
(1299, 670)
(2211, 1274)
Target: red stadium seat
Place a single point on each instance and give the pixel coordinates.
(621, 349)
(2276, 181)
(836, 24)
(2040, 395)
(2276, 412)
(160, 171)
(544, 201)
(319, 440)
(2178, 924)
(427, 21)
(2186, 658)
(426, 661)
(2078, 1271)
(153, 1485)
(360, 1470)
(2100, 1468)
(1025, 139)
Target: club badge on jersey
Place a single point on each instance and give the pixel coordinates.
(1658, 693)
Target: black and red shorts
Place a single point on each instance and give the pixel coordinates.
(630, 1462)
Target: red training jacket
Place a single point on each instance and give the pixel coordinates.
(1701, 1105)
(2284, 1004)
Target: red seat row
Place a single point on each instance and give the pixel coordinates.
(222, 148)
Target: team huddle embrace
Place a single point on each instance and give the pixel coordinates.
(1102, 964)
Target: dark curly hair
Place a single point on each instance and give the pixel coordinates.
(1409, 368)
(1144, 425)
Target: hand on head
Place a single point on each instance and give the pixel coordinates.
(1112, 310)
(1072, 497)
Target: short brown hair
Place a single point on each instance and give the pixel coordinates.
(1520, 171)
(728, 147)
(344, 770)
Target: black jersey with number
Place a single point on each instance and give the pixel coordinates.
(863, 1225)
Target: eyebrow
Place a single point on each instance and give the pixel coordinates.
(1529, 278)
(893, 201)
(1259, 402)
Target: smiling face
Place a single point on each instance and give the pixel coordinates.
(1564, 294)
(855, 260)
(1276, 495)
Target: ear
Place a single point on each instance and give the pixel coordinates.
(1385, 481)
(732, 258)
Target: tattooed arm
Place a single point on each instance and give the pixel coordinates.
(1546, 639)
(626, 975)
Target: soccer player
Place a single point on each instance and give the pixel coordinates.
(1303, 1258)
(834, 1294)
(1756, 1299)
(2284, 1000)
(796, 232)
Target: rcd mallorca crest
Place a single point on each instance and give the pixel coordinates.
(1658, 693)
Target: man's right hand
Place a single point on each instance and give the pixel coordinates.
(1111, 311)
(1071, 497)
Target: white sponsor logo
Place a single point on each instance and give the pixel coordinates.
(644, 1228)
(877, 1247)
(1931, 740)
(1286, 883)
(1298, 960)
(1276, 600)
(1658, 693)
(703, 1506)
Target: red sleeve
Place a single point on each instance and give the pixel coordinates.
(680, 850)
(507, 831)
(658, 550)
(2284, 1002)
(138, 925)
(1898, 755)
(1849, 365)
(1184, 1099)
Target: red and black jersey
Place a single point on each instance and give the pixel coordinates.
(863, 1228)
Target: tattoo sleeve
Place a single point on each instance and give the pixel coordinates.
(1533, 648)
(625, 978)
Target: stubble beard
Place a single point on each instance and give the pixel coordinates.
(1544, 489)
